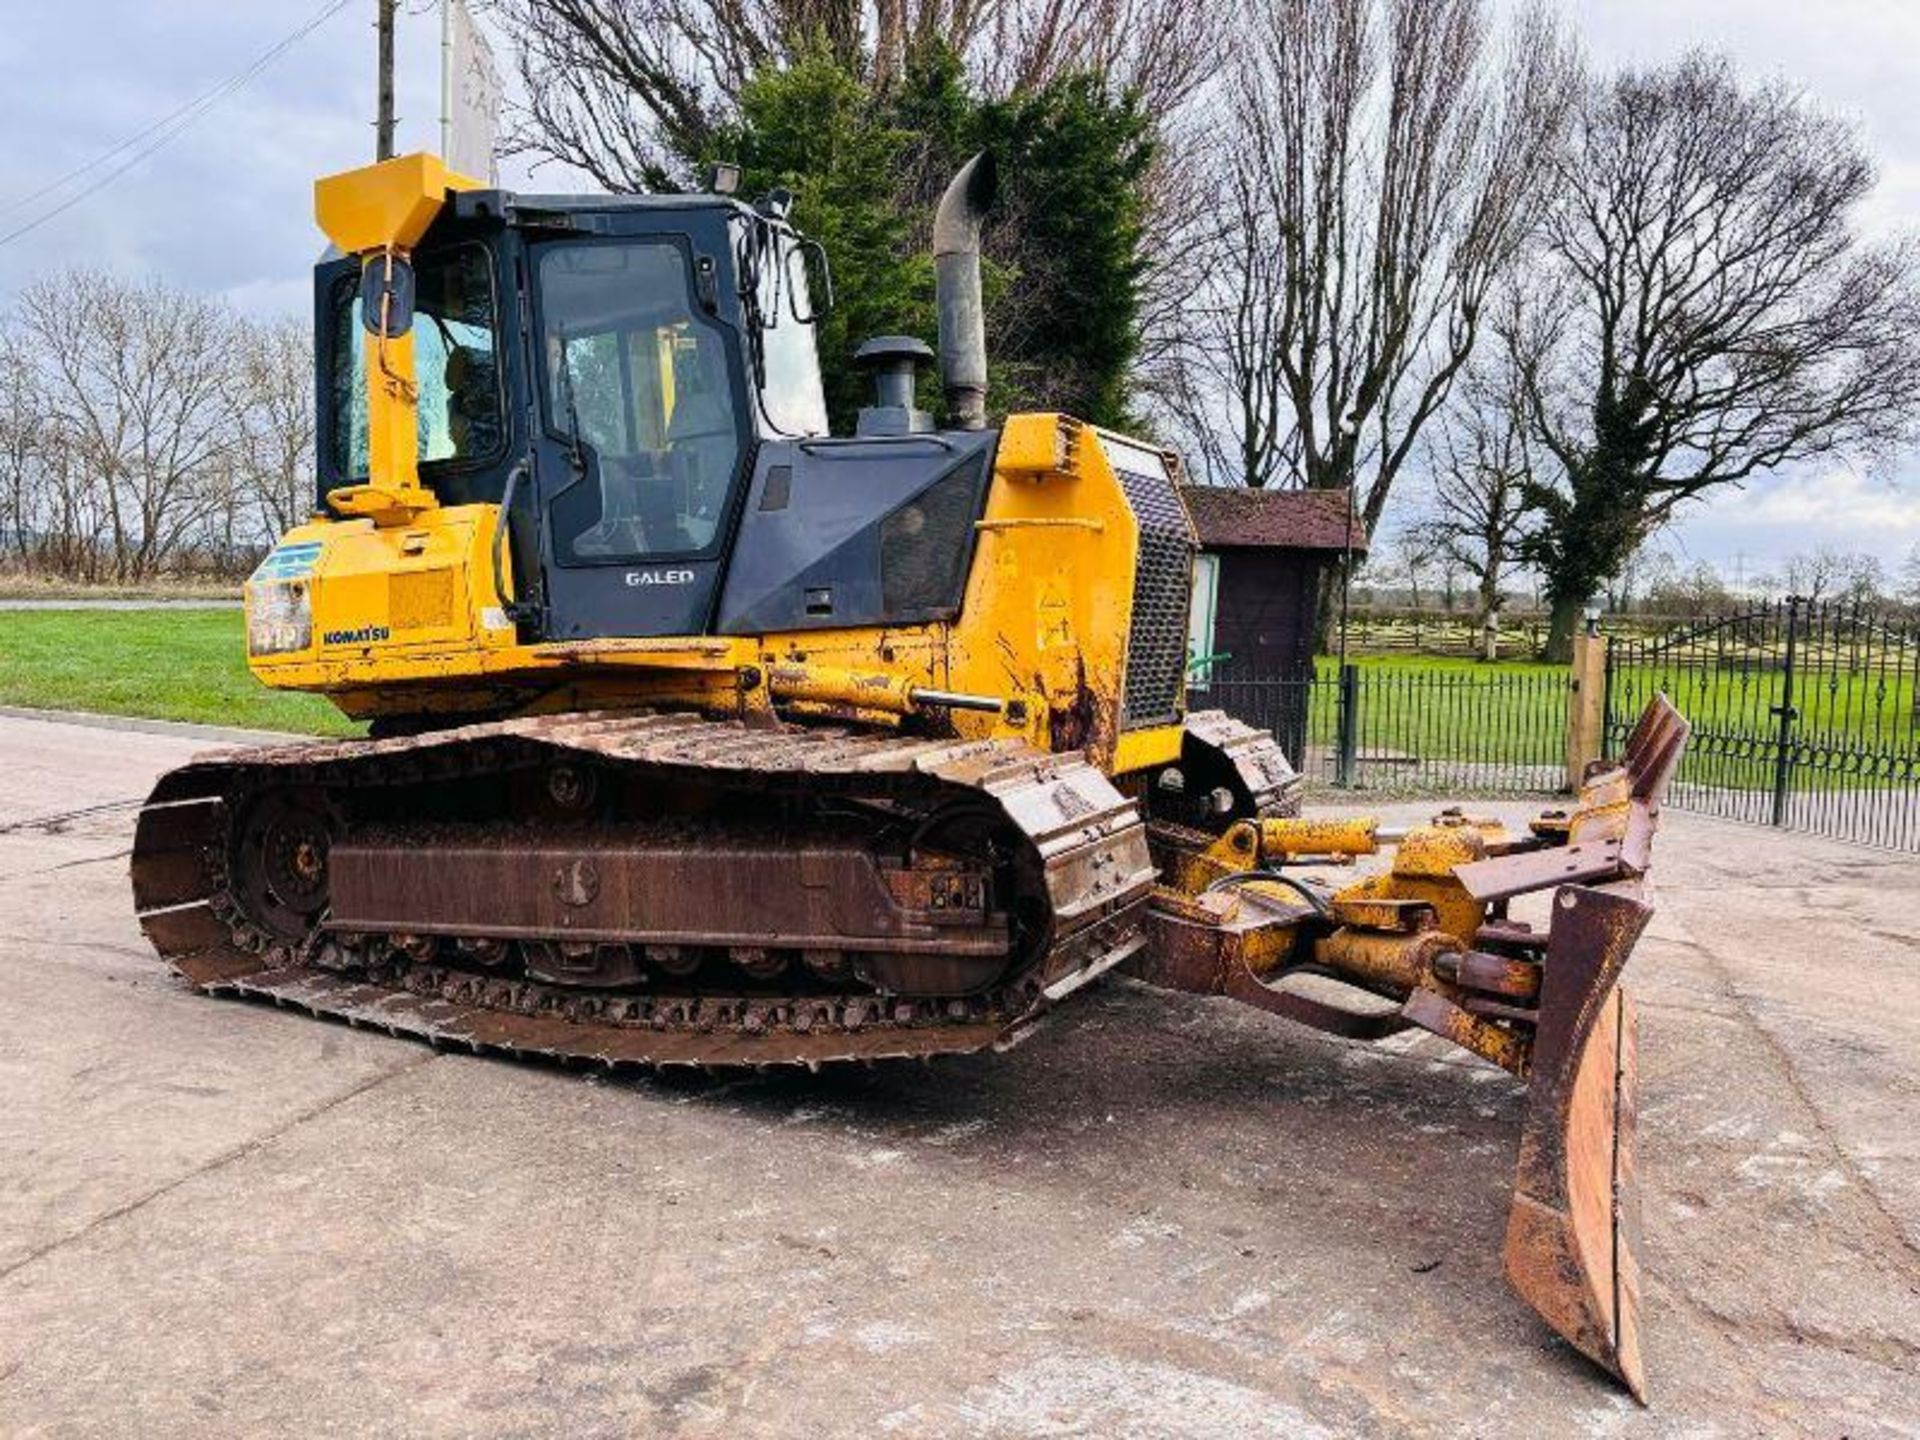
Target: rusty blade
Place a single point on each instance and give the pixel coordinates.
(1654, 749)
(1506, 876)
(1571, 1235)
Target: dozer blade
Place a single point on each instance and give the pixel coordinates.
(1573, 1232)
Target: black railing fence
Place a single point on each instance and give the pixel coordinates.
(1386, 726)
(1805, 715)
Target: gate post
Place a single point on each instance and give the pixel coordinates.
(1349, 740)
(1783, 743)
(1586, 705)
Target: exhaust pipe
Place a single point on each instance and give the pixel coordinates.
(956, 269)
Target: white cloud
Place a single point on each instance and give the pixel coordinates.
(1801, 509)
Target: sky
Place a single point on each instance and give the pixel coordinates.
(226, 207)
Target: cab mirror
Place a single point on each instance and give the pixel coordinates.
(386, 289)
(809, 281)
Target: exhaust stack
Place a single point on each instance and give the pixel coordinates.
(956, 266)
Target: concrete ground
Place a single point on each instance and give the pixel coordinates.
(1161, 1216)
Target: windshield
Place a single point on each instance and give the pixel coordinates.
(456, 358)
(640, 384)
(792, 399)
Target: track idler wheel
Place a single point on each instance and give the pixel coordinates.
(279, 862)
(1573, 1232)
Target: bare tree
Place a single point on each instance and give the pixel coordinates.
(1412, 562)
(23, 441)
(1386, 168)
(1692, 591)
(138, 388)
(275, 459)
(1229, 395)
(1645, 572)
(1162, 50)
(1479, 464)
(1704, 311)
(626, 90)
(1828, 573)
(1910, 577)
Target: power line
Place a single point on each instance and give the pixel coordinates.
(159, 134)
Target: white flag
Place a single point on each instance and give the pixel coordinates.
(471, 89)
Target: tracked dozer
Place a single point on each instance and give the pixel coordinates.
(698, 735)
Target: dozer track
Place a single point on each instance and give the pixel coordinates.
(648, 888)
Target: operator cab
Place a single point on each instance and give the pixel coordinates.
(609, 368)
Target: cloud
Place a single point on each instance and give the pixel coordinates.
(227, 206)
(1800, 509)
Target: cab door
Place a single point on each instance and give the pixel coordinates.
(642, 438)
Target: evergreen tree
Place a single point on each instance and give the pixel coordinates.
(816, 130)
(867, 168)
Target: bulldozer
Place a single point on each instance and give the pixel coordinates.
(698, 735)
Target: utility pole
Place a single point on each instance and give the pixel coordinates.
(446, 80)
(383, 125)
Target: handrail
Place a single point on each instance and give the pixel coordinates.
(515, 610)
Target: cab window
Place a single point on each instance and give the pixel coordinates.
(792, 398)
(456, 357)
(640, 385)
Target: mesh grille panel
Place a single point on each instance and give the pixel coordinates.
(1162, 592)
(924, 545)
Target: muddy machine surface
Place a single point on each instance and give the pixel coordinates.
(701, 736)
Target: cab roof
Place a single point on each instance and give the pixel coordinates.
(516, 208)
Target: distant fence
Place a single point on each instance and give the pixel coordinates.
(1403, 630)
(1805, 716)
(1407, 730)
(1394, 631)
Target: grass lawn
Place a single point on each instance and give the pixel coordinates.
(162, 664)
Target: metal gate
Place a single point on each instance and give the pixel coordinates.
(1806, 715)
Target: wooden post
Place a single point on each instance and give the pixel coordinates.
(1586, 705)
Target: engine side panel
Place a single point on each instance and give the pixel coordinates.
(856, 532)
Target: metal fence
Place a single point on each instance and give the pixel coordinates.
(1431, 728)
(1805, 716)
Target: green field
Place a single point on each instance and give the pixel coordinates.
(1424, 722)
(162, 664)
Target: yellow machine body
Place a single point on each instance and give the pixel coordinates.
(396, 604)
(404, 618)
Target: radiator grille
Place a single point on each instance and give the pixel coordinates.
(926, 543)
(1162, 594)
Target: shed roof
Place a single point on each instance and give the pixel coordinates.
(1229, 516)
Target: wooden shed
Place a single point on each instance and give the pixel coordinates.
(1256, 590)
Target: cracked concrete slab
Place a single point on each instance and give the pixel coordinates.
(1159, 1217)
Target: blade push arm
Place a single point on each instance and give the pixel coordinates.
(1430, 942)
